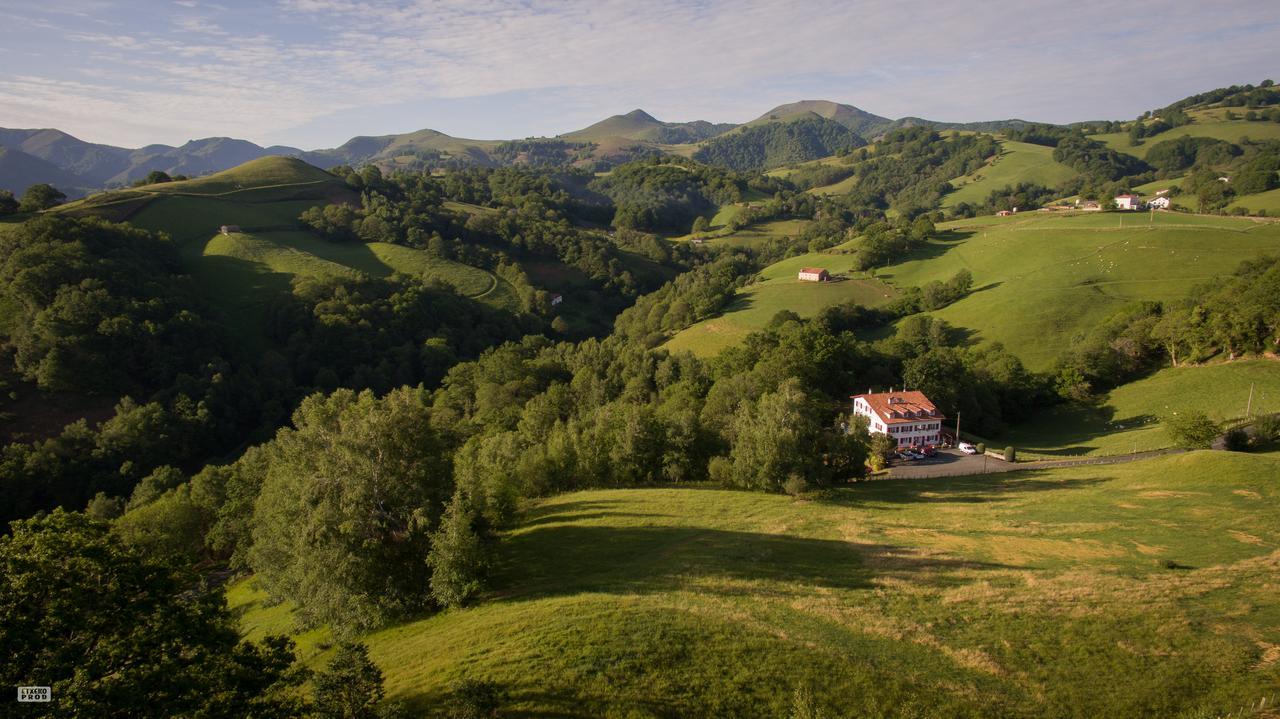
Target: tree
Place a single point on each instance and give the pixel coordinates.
(41, 197)
(700, 224)
(775, 438)
(350, 687)
(342, 525)
(1191, 430)
(154, 177)
(882, 447)
(458, 560)
(8, 204)
(117, 631)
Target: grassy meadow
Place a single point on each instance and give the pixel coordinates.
(778, 289)
(1141, 590)
(1017, 162)
(1041, 280)
(1205, 125)
(1128, 418)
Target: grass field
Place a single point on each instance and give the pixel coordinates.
(1041, 280)
(1218, 129)
(1128, 419)
(748, 236)
(1017, 162)
(1269, 201)
(1032, 594)
(778, 289)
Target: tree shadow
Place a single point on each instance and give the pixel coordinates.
(968, 489)
(553, 560)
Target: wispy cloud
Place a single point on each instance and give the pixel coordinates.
(275, 73)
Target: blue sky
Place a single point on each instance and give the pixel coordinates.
(313, 73)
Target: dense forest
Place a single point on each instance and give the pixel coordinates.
(777, 143)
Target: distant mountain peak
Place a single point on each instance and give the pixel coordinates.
(640, 115)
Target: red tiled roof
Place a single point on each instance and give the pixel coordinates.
(812, 270)
(911, 405)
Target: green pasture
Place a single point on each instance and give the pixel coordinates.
(1017, 162)
(1138, 590)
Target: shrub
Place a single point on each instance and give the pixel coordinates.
(1191, 430)
(475, 699)
(1267, 428)
(795, 485)
(1237, 440)
(981, 447)
(1010, 454)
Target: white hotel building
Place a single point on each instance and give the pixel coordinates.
(908, 417)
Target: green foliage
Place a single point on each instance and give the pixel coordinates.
(775, 439)
(475, 699)
(102, 307)
(8, 203)
(666, 192)
(342, 524)
(155, 177)
(118, 631)
(1010, 454)
(1191, 430)
(350, 686)
(41, 197)
(778, 143)
(458, 560)
(1095, 161)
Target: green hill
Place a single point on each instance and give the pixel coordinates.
(640, 125)
(1211, 123)
(778, 289)
(1128, 418)
(1036, 593)
(1017, 162)
(242, 273)
(1043, 279)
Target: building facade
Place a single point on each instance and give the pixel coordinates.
(814, 274)
(908, 417)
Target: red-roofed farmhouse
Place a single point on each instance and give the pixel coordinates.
(908, 417)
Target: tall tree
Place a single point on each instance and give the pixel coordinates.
(342, 525)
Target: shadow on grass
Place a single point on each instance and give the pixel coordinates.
(971, 489)
(1063, 431)
(570, 559)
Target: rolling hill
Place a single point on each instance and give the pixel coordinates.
(19, 170)
(640, 125)
(775, 290)
(1050, 593)
(243, 273)
(1017, 162)
(1042, 279)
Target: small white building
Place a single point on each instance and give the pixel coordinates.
(228, 229)
(1160, 203)
(1128, 202)
(908, 417)
(814, 274)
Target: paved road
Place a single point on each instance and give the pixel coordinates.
(954, 463)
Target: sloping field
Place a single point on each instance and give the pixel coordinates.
(1228, 130)
(1017, 162)
(1140, 590)
(1128, 420)
(778, 289)
(1041, 280)
(1268, 201)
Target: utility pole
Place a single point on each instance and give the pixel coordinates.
(1248, 408)
(957, 428)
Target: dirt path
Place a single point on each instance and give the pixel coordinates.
(953, 463)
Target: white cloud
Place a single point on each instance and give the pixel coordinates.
(259, 73)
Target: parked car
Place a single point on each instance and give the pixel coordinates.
(915, 454)
(967, 448)
(930, 451)
(906, 455)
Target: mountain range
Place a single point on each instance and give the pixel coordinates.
(77, 167)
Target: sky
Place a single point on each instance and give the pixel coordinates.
(313, 73)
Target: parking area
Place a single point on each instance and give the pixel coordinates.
(949, 462)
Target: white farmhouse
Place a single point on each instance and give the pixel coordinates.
(1160, 203)
(1129, 202)
(814, 274)
(908, 417)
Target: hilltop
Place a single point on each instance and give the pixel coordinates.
(640, 125)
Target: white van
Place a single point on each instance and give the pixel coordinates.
(967, 448)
